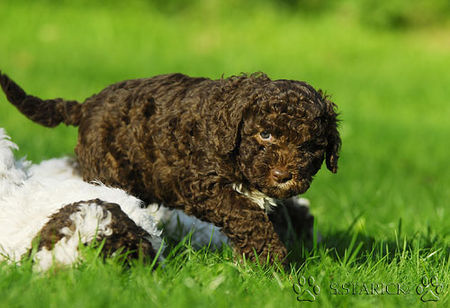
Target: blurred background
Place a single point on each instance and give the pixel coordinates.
(385, 64)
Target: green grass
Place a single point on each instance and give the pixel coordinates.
(384, 217)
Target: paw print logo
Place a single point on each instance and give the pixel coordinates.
(429, 289)
(306, 289)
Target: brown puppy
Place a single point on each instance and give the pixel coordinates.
(223, 150)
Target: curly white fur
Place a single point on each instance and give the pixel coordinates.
(176, 224)
(29, 194)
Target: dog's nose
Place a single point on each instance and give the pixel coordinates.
(280, 175)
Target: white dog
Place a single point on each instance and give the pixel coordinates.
(51, 204)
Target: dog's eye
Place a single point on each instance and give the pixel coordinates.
(266, 136)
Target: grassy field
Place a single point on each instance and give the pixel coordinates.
(384, 217)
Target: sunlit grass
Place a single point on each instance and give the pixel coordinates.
(383, 218)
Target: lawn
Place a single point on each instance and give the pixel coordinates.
(384, 218)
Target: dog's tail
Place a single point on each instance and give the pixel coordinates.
(49, 112)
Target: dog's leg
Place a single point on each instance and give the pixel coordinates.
(293, 220)
(244, 223)
(85, 222)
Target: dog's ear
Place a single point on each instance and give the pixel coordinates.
(333, 139)
(231, 102)
(332, 151)
(227, 125)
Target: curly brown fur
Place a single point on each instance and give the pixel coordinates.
(45, 112)
(190, 142)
